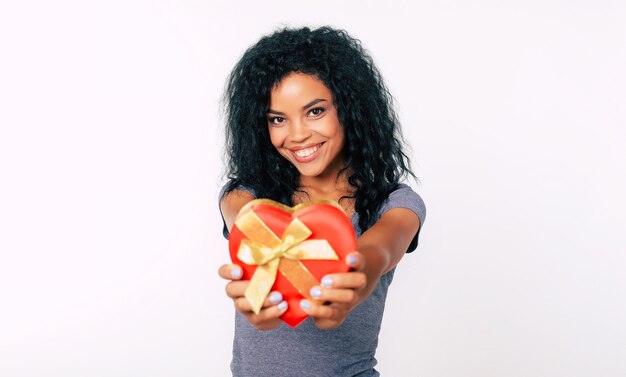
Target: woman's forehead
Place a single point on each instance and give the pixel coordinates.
(298, 89)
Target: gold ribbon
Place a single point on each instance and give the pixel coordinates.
(271, 254)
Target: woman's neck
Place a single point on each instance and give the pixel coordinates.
(327, 188)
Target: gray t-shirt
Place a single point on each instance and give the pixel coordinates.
(307, 351)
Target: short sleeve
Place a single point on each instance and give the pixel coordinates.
(219, 200)
(405, 197)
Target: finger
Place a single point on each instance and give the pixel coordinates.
(327, 324)
(236, 289)
(243, 305)
(354, 280)
(230, 271)
(268, 325)
(345, 296)
(316, 310)
(355, 260)
(267, 316)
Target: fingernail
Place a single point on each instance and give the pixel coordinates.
(236, 272)
(327, 281)
(282, 306)
(351, 259)
(304, 304)
(275, 297)
(316, 292)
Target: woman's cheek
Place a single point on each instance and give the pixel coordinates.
(275, 137)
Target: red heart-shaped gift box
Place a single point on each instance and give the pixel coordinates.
(325, 219)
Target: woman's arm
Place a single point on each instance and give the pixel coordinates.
(385, 243)
(380, 249)
(274, 306)
(231, 203)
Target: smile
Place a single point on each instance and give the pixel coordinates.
(306, 154)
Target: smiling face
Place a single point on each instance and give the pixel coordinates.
(304, 127)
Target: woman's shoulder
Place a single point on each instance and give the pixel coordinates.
(235, 187)
(405, 197)
(232, 198)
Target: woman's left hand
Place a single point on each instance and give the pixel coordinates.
(338, 294)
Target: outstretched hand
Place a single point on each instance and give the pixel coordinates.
(337, 295)
(273, 307)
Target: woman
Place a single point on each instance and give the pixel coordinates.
(308, 118)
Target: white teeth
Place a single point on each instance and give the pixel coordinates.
(306, 152)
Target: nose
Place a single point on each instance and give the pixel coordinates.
(299, 131)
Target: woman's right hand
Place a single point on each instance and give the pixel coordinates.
(273, 307)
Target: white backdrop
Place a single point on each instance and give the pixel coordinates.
(110, 161)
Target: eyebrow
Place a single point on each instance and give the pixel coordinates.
(314, 102)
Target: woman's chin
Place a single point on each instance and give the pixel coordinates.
(309, 173)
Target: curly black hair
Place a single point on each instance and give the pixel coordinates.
(373, 142)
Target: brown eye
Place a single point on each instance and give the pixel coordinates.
(316, 111)
(276, 120)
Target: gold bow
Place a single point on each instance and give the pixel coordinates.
(271, 254)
